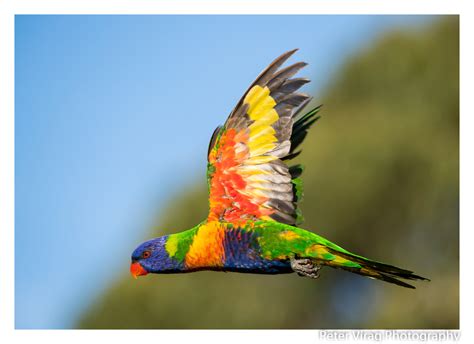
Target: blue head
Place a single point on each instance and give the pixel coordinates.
(152, 257)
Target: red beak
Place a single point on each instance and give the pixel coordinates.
(137, 270)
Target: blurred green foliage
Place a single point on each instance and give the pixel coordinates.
(381, 180)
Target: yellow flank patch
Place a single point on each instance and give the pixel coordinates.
(172, 245)
(289, 235)
(207, 249)
(316, 250)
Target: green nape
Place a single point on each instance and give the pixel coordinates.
(177, 245)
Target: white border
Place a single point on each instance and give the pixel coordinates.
(8, 8)
(234, 6)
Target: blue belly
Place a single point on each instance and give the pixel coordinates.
(242, 254)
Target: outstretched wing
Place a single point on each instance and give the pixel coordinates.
(247, 177)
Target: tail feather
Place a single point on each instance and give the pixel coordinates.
(370, 268)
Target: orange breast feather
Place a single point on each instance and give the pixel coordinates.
(207, 249)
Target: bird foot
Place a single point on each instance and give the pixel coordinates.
(305, 267)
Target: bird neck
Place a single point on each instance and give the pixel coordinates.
(177, 245)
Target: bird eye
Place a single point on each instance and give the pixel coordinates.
(146, 254)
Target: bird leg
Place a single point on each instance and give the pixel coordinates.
(305, 267)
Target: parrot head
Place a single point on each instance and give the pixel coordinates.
(152, 257)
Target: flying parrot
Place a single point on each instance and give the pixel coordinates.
(253, 196)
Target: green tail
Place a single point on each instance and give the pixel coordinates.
(381, 271)
(336, 257)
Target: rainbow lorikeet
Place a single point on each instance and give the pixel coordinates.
(254, 194)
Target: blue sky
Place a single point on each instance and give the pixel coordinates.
(112, 119)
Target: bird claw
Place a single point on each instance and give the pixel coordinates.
(305, 267)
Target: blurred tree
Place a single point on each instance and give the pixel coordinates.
(382, 180)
